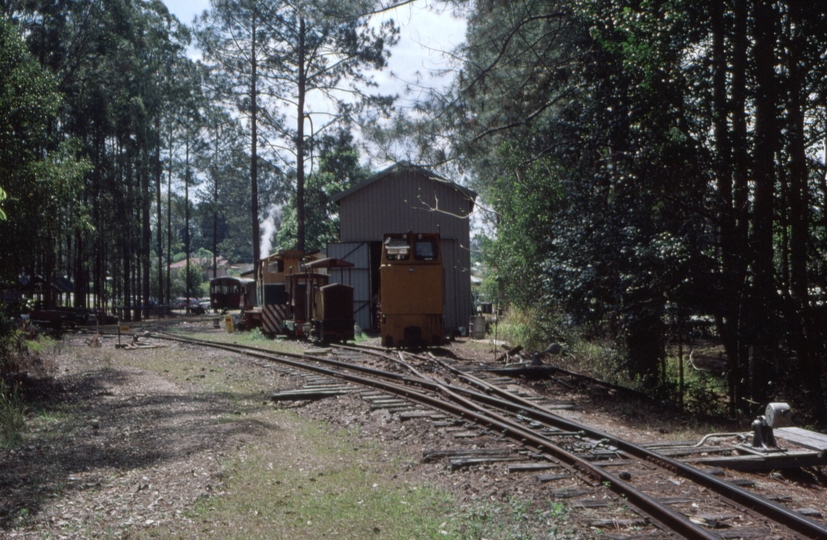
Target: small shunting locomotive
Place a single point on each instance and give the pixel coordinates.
(412, 290)
(295, 298)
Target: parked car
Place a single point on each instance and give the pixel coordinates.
(192, 303)
(204, 303)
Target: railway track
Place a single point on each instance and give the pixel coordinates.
(673, 498)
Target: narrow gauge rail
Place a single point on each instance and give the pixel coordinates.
(734, 496)
(483, 408)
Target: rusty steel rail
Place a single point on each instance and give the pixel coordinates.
(766, 508)
(658, 512)
(496, 397)
(513, 403)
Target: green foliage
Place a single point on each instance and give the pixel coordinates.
(41, 344)
(256, 335)
(40, 179)
(339, 169)
(593, 205)
(12, 414)
(524, 197)
(304, 38)
(532, 328)
(196, 281)
(639, 155)
(703, 393)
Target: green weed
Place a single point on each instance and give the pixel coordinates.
(12, 414)
(41, 344)
(256, 335)
(515, 520)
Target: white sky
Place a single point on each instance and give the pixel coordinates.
(425, 31)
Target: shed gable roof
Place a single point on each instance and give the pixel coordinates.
(404, 166)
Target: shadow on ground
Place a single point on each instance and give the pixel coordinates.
(86, 430)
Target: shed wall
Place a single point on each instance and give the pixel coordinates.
(409, 201)
(357, 277)
(401, 202)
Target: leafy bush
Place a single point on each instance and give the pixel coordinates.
(532, 328)
(598, 357)
(256, 335)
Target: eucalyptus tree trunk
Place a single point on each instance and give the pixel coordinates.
(799, 202)
(159, 222)
(169, 224)
(728, 318)
(302, 87)
(766, 134)
(124, 216)
(737, 345)
(187, 220)
(146, 230)
(254, 145)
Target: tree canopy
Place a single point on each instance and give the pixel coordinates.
(645, 167)
(650, 160)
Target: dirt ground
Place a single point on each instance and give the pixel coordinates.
(125, 441)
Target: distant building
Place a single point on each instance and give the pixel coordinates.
(46, 291)
(399, 199)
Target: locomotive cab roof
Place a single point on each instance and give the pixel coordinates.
(330, 262)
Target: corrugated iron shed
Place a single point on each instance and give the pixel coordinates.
(406, 197)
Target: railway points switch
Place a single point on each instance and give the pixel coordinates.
(776, 415)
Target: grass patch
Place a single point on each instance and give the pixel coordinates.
(326, 489)
(359, 336)
(306, 481)
(252, 338)
(215, 375)
(515, 520)
(12, 415)
(42, 344)
(532, 328)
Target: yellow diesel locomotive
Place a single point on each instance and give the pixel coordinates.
(412, 291)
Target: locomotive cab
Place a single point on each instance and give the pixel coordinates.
(412, 293)
(270, 307)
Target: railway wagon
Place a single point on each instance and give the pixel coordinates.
(333, 314)
(231, 292)
(331, 318)
(412, 290)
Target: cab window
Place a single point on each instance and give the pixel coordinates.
(276, 267)
(397, 249)
(425, 249)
